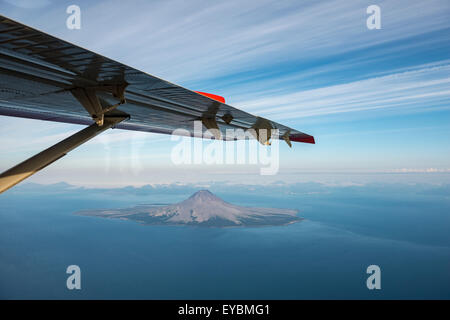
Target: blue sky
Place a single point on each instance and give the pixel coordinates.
(377, 101)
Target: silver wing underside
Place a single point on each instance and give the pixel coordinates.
(39, 73)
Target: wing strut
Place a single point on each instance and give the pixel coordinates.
(32, 165)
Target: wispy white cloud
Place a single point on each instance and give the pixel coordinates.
(419, 170)
(425, 88)
(186, 41)
(28, 4)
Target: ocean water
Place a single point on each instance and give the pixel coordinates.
(403, 229)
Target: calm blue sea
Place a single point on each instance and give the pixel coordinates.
(403, 229)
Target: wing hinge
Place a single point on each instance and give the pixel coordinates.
(95, 105)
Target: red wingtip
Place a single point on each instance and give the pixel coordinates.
(212, 96)
(302, 138)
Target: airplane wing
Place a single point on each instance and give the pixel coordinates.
(42, 77)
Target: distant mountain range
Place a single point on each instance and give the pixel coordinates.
(201, 209)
